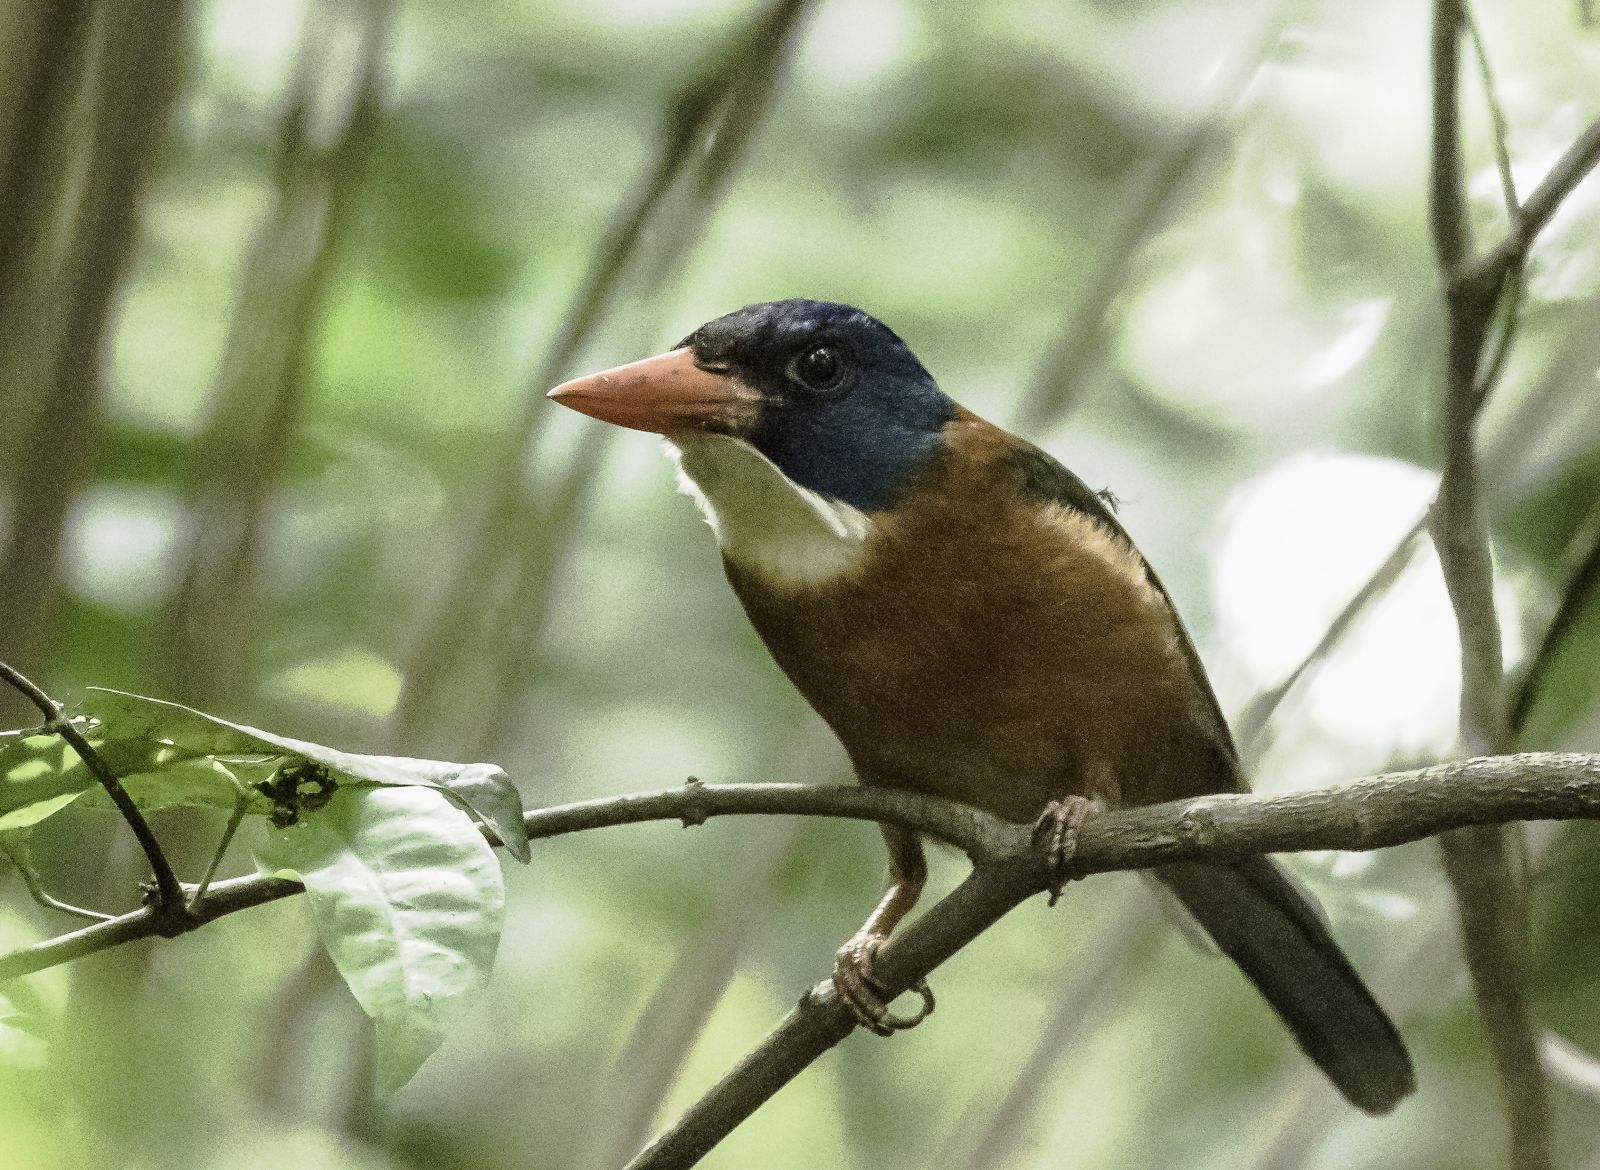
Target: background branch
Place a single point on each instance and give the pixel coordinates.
(1252, 724)
(1490, 905)
(1060, 378)
(134, 82)
(1570, 170)
(267, 374)
(491, 610)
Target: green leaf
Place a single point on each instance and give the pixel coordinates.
(191, 781)
(40, 775)
(31, 814)
(483, 789)
(408, 899)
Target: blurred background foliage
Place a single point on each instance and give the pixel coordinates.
(281, 287)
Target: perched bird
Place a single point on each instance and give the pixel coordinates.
(972, 622)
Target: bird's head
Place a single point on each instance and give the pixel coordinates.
(827, 393)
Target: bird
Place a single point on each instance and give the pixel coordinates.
(973, 622)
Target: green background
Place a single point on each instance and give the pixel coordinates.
(304, 476)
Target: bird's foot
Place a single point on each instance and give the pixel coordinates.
(1056, 830)
(863, 993)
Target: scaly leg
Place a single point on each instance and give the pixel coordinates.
(852, 968)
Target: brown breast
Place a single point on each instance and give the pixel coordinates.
(998, 649)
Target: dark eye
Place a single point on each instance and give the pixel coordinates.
(819, 368)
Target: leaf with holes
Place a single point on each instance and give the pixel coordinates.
(483, 789)
(409, 901)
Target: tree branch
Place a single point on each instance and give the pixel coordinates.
(1367, 814)
(169, 910)
(1363, 814)
(1489, 895)
(1570, 170)
(1372, 813)
(1447, 206)
(979, 835)
(1506, 448)
(1497, 116)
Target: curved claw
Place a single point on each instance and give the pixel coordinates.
(900, 1023)
(863, 994)
(1057, 832)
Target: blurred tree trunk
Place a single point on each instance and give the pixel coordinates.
(39, 75)
(42, 132)
(134, 77)
(478, 648)
(324, 141)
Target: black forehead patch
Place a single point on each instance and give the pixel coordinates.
(780, 323)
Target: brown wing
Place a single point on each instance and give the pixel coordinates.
(1047, 479)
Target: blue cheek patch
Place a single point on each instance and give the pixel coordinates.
(865, 449)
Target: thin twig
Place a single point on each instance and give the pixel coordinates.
(235, 819)
(1510, 319)
(991, 1135)
(1499, 135)
(1497, 115)
(544, 528)
(1060, 377)
(263, 380)
(36, 890)
(1513, 436)
(1251, 726)
(669, 1026)
(1570, 170)
(1575, 1067)
(1299, 1121)
(672, 1021)
(821, 1020)
(169, 895)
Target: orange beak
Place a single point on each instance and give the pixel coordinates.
(667, 394)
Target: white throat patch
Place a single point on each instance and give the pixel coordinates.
(765, 522)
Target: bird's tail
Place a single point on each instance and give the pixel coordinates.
(1267, 926)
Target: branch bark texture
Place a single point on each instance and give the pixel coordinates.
(1367, 814)
(1373, 813)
